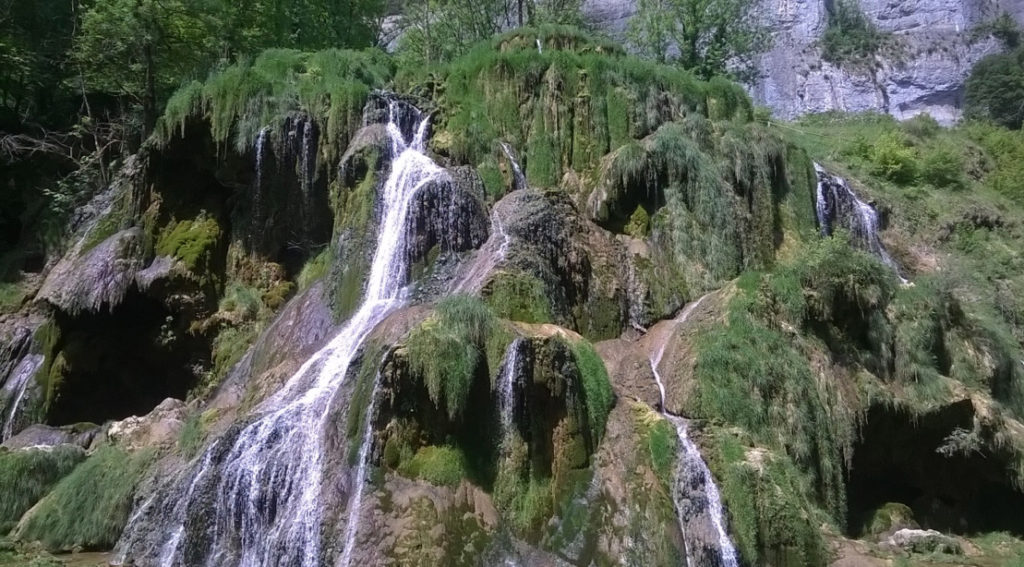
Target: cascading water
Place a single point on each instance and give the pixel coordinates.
(13, 393)
(266, 480)
(352, 528)
(694, 491)
(507, 385)
(837, 205)
(518, 179)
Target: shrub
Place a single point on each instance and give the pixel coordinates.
(922, 126)
(90, 507)
(893, 158)
(27, 475)
(943, 166)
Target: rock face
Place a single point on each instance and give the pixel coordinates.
(934, 50)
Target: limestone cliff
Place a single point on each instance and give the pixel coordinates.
(934, 45)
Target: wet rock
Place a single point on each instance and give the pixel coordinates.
(80, 435)
(924, 541)
(100, 277)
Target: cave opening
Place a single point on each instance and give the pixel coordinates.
(927, 463)
(639, 198)
(123, 362)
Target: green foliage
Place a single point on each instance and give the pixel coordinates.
(90, 507)
(519, 296)
(943, 166)
(995, 89)
(27, 475)
(240, 100)
(567, 106)
(893, 157)
(441, 465)
(770, 515)
(1006, 150)
(12, 295)
(922, 126)
(850, 36)
(889, 516)
(713, 37)
(191, 241)
(597, 388)
(661, 442)
(445, 350)
(315, 269)
(639, 224)
(190, 438)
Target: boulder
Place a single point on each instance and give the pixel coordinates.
(924, 541)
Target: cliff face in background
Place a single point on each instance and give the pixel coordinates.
(932, 53)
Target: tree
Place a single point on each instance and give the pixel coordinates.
(709, 37)
(995, 89)
(439, 30)
(34, 38)
(139, 50)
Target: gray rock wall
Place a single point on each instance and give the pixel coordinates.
(924, 72)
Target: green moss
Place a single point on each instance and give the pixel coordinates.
(314, 269)
(191, 436)
(191, 241)
(597, 388)
(443, 466)
(90, 507)
(519, 296)
(889, 516)
(444, 351)
(241, 99)
(494, 182)
(12, 296)
(369, 368)
(28, 475)
(770, 516)
(639, 224)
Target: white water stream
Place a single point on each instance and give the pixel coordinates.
(834, 198)
(691, 470)
(13, 392)
(267, 503)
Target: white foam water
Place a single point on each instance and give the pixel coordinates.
(267, 502)
(691, 470)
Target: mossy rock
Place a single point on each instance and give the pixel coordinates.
(889, 517)
(191, 241)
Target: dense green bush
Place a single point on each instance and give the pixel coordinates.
(893, 157)
(995, 89)
(90, 507)
(942, 166)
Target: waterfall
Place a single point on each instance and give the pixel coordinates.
(540, 48)
(262, 504)
(838, 206)
(694, 491)
(507, 386)
(352, 529)
(518, 179)
(257, 193)
(13, 393)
